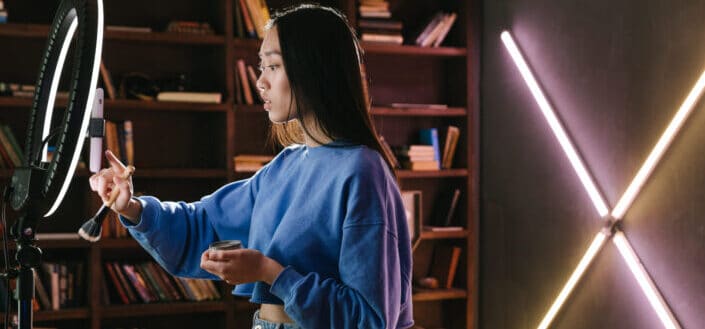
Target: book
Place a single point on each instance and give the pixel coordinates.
(419, 106)
(420, 165)
(253, 158)
(430, 26)
(253, 82)
(238, 87)
(435, 32)
(247, 19)
(383, 38)
(41, 292)
(246, 91)
(112, 138)
(57, 236)
(139, 283)
(383, 24)
(118, 289)
(445, 207)
(430, 228)
(451, 143)
(124, 28)
(445, 264)
(260, 15)
(445, 28)
(12, 147)
(129, 142)
(130, 291)
(429, 136)
(107, 81)
(189, 96)
(412, 209)
(238, 20)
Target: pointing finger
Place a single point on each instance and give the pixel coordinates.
(115, 162)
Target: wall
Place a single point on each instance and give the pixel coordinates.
(616, 72)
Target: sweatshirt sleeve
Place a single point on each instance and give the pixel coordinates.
(374, 266)
(177, 233)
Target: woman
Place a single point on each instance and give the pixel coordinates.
(323, 224)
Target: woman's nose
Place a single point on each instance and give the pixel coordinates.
(261, 83)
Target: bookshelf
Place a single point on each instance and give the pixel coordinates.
(201, 139)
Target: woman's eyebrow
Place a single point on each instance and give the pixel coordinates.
(269, 53)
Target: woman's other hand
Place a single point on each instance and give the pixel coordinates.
(240, 266)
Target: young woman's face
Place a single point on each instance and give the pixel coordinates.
(273, 84)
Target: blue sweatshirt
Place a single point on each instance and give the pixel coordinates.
(331, 215)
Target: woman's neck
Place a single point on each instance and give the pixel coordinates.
(314, 136)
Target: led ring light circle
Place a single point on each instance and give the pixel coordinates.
(84, 20)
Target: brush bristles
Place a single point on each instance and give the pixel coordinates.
(90, 231)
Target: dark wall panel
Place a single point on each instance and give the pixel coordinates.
(615, 72)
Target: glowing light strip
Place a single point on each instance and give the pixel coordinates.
(555, 125)
(645, 282)
(594, 248)
(87, 112)
(49, 113)
(666, 138)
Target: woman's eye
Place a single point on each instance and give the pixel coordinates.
(263, 68)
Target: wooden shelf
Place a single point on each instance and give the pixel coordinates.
(444, 173)
(128, 104)
(249, 109)
(24, 30)
(42, 31)
(113, 243)
(154, 173)
(180, 173)
(431, 235)
(438, 294)
(167, 38)
(390, 111)
(67, 314)
(379, 48)
(127, 311)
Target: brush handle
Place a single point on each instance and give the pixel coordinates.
(114, 194)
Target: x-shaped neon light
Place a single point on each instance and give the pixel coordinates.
(611, 230)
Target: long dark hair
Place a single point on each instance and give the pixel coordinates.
(322, 58)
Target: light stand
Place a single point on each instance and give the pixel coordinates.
(39, 185)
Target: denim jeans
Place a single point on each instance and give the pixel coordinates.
(258, 323)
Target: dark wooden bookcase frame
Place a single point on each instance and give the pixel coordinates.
(185, 150)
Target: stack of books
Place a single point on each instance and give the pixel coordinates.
(375, 23)
(3, 12)
(250, 162)
(418, 157)
(147, 282)
(436, 30)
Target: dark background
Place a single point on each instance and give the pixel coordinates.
(615, 72)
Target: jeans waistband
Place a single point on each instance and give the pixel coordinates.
(258, 323)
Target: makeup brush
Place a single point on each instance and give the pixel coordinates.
(91, 229)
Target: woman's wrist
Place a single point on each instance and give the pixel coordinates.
(270, 270)
(133, 212)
